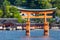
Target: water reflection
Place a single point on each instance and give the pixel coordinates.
(37, 38)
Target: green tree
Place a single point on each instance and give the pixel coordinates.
(9, 11)
(58, 3)
(20, 2)
(1, 13)
(58, 12)
(15, 14)
(33, 3)
(1, 2)
(6, 7)
(45, 4)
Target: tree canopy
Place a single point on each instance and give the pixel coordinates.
(7, 11)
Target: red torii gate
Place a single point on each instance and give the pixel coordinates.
(37, 11)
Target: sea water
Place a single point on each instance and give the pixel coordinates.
(35, 35)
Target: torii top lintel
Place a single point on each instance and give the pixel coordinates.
(37, 10)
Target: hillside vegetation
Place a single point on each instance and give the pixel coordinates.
(6, 11)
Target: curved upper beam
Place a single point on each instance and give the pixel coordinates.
(22, 9)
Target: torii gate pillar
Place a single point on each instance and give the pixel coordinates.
(28, 25)
(46, 29)
(46, 25)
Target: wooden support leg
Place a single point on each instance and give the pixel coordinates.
(28, 29)
(46, 29)
(4, 27)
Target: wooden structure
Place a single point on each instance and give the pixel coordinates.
(44, 13)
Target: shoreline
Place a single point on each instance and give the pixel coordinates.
(30, 29)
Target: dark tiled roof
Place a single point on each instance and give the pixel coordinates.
(8, 21)
(32, 24)
(8, 18)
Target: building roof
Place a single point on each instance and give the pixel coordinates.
(8, 18)
(8, 21)
(32, 24)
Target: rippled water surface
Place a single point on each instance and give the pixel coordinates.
(35, 35)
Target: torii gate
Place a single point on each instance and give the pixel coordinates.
(37, 11)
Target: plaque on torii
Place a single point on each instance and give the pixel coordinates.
(37, 11)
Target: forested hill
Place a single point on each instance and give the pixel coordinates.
(6, 11)
(35, 4)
